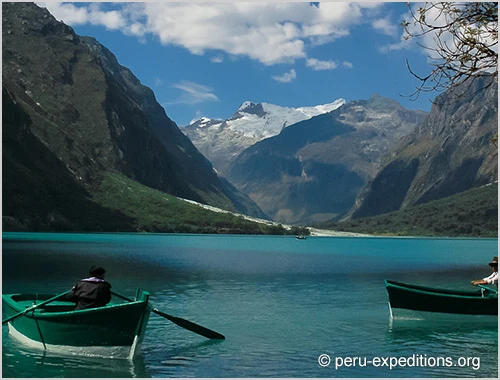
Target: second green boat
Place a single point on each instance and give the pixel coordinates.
(423, 298)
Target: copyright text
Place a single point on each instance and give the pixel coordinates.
(391, 362)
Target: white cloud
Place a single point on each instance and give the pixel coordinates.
(401, 45)
(217, 59)
(347, 65)
(194, 93)
(267, 32)
(73, 15)
(68, 13)
(286, 77)
(316, 64)
(385, 26)
(158, 82)
(111, 20)
(135, 29)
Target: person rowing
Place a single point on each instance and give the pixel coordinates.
(492, 279)
(91, 292)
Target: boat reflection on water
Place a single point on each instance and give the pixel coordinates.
(28, 362)
(443, 330)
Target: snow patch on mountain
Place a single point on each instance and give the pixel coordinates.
(202, 122)
(314, 231)
(222, 140)
(264, 120)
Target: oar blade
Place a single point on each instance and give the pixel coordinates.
(191, 326)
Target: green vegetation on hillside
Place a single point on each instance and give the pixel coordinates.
(472, 213)
(155, 211)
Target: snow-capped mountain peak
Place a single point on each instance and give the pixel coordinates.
(322, 108)
(264, 120)
(246, 104)
(222, 140)
(204, 122)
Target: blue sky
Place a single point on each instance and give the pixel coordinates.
(205, 59)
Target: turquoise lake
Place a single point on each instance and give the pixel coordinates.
(280, 302)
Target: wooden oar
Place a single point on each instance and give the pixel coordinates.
(191, 326)
(34, 307)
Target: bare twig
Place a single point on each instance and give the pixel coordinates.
(465, 39)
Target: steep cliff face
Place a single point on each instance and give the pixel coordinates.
(39, 191)
(95, 116)
(313, 170)
(449, 153)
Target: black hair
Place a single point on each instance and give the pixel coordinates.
(96, 271)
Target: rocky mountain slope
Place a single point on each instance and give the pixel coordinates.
(38, 191)
(314, 169)
(221, 141)
(72, 113)
(449, 153)
(472, 213)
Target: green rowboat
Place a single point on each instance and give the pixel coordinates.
(114, 330)
(421, 298)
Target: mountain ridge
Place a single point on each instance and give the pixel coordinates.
(94, 116)
(448, 153)
(221, 140)
(313, 169)
(472, 213)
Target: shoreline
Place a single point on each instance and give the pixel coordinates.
(314, 231)
(333, 233)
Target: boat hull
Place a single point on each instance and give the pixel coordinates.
(58, 325)
(419, 298)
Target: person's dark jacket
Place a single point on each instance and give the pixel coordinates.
(90, 292)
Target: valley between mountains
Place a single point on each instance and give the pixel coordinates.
(87, 147)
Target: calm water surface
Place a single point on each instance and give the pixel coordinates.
(280, 302)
